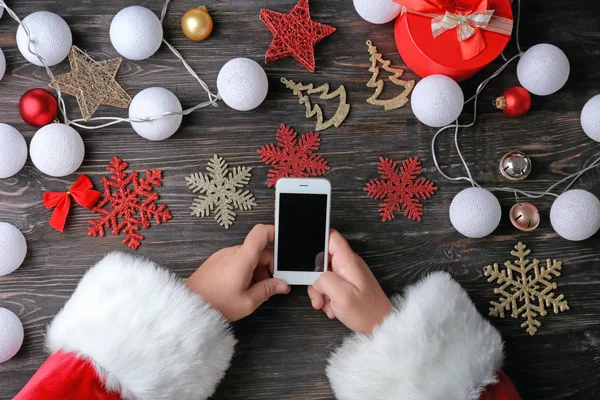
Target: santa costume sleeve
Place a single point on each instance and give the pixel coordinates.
(433, 346)
(132, 330)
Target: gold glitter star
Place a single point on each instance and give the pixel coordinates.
(92, 83)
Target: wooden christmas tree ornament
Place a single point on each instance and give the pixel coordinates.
(340, 115)
(378, 84)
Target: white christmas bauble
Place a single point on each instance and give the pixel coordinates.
(150, 103)
(242, 84)
(377, 11)
(13, 151)
(437, 100)
(11, 334)
(475, 212)
(575, 215)
(57, 150)
(590, 118)
(136, 33)
(51, 35)
(543, 69)
(2, 64)
(13, 248)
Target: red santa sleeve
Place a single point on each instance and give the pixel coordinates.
(132, 330)
(433, 346)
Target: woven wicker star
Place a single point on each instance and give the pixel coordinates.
(294, 34)
(92, 83)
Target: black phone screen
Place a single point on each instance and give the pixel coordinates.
(302, 224)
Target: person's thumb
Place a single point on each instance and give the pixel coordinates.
(334, 286)
(261, 291)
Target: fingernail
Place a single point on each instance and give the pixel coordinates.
(282, 288)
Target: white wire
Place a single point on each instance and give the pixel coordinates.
(117, 120)
(469, 178)
(518, 24)
(163, 13)
(212, 98)
(456, 125)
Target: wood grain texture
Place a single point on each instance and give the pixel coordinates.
(283, 347)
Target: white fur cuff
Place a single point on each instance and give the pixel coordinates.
(147, 335)
(434, 346)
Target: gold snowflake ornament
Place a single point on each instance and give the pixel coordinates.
(219, 191)
(525, 288)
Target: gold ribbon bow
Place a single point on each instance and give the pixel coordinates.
(465, 24)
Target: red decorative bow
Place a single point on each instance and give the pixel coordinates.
(82, 193)
(468, 22)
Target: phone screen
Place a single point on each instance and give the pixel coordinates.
(302, 224)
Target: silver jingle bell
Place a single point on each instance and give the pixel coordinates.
(515, 165)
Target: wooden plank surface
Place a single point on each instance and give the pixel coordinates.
(283, 347)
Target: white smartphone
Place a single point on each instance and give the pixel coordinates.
(302, 207)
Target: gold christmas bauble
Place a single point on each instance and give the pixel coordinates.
(197, 23)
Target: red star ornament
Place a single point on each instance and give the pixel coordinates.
(295, 34)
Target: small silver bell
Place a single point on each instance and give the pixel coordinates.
(515, 165)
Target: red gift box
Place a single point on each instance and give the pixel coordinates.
(454, 38)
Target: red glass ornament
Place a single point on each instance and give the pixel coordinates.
(515, 101)
(38, 107)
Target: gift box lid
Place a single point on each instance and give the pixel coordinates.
(445, 49)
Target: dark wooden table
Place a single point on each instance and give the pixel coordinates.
(283, 346)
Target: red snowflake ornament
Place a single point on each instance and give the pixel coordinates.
(400, 189)
(293, 157)
(126, 210)
(295, 34)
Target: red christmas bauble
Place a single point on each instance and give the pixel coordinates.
(515, 101)
(38, 107)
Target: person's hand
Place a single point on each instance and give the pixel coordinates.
(237, 280)
(350, 291)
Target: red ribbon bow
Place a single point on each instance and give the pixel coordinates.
(82, 193)
(469, 21)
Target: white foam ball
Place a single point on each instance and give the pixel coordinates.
(11, 334)
(437, 100)
(136, 33)
(543, 69)
(575, 215)
(377, 11)
(590, 118)
(13, 151)
(475, 212)
(51, 35)
(242, 84)
(2, 64)
(13, 248)
(57, 150)
(152, 102)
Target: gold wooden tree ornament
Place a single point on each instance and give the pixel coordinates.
(341, 113)
(375, 82)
